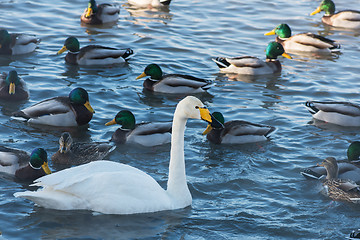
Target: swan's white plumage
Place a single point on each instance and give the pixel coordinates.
(115, 188)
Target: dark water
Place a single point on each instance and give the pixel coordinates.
(251, 191)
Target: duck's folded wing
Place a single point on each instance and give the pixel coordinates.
(238, 128)
(177, 80)
(348, 15)
(347, 185)
(310, 39)
(152, 128)
(345, 108)
(246, 61)
(51, 106)
(108, 9)
(24, 39)
(101, 52)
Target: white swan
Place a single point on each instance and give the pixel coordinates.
(115, 188)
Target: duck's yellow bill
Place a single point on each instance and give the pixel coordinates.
(207, 130)
(112, 122)
(12, 88)
(320, 164)
(89, 12)
(286, 55)
(63, 49)
(316, 11)
(46, 168)
(141, 75)
(272, 32)
(88, 107)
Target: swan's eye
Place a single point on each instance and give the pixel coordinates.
(197, 107)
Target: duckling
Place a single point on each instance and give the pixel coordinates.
(172, 83)
(248, 65)
(340, 113)
(93, 54)
(12, 87)
(100, 14)
(74, 110)
(339, 189)
(303, 42)
(25, 167)
(347, 169)
(71, 153)
(17, 43)
(146, 134)
(236, 131)
(149, 3)
(344, 19)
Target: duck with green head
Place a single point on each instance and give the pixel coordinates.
(148, 134)
(345, 114)
(93, 54)
(24, 166)
(172, 83)
(347, 169)
(343, 19)
(12, 87)
(76, 153)
(100, 14)
(71, 111)
(17, 43)
(248, 65)
(236, 131)
(303, 42)
(337, 188)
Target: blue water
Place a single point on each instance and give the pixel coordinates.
(251, 191)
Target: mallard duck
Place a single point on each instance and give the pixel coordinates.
(303, 42)
(71, 153)
(344, 19)
(147, 134)
(93, 54)
(339, 189)
(149, 3)
(12, 87)
(249, 65)
(237, 131)
(17, 43)
(113, 188)
(71, 111)
(24, 166)
(347, 169)
(100, 14)
(340, 113)
(172, 83)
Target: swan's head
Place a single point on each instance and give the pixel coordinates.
(194, 108)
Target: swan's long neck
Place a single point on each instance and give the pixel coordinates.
(177, 186)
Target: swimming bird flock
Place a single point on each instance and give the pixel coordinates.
(130, 190)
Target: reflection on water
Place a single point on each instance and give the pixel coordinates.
(142, 16)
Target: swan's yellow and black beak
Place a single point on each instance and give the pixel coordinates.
(63, 49)
(46, 168)
(89, 107)
(316, 11)
(208, 117)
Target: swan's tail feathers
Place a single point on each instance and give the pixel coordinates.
(311, 107)
(128, 53)
(165, 2)
(310, 174)
(221, 62)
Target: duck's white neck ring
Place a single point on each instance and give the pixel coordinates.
(33, 166)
